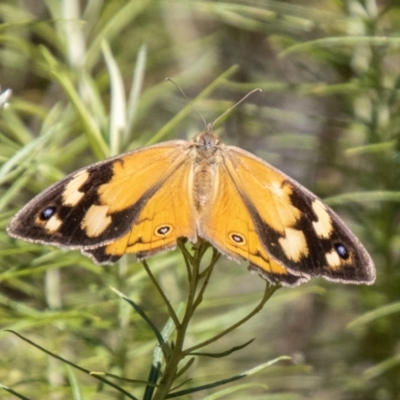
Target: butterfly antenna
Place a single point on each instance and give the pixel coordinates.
(236, 104)
(188, 100)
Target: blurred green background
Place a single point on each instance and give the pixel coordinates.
(88, 82)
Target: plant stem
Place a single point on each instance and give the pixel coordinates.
(177, 353)
(197, 283)
(269, 291)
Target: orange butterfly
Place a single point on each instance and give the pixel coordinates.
(143, 201)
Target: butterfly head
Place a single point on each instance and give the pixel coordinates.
(207, 142)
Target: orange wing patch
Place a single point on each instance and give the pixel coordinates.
(236, 235)
(135, 173)
(163, 219)
(268, 189)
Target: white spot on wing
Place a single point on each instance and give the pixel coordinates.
(294, 244)
(71, 194)
(53, 224)
(277, 189)
(323, 227)
(96, 220)
(333, 259)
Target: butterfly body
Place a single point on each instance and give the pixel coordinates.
(144, 201)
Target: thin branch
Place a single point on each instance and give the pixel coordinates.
(269, 291)
(187, 258)
(171, 311)
(206, 274)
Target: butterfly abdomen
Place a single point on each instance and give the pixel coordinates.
(203, 184)
(206, 157)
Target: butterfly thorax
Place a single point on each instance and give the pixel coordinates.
(206, 154)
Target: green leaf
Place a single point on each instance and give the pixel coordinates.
(65, 361)
(224, 353)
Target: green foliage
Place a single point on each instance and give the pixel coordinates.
(88, 82)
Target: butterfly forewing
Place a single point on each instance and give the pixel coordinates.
(101, 203)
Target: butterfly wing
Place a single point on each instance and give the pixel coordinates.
(228, 225)
(286, 232)
(123, 200)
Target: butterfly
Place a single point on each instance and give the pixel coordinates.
(142, 202)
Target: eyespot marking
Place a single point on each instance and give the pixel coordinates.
(47, 213)
(337, 256)
(237, 238)
(341, 251)
(163, 230)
